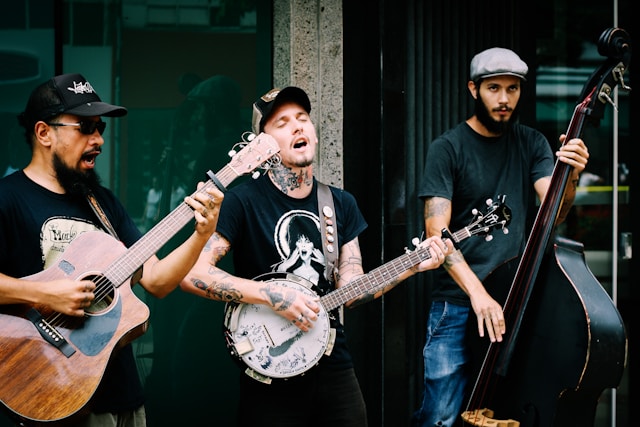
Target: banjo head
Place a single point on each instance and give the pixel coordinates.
(270, 345)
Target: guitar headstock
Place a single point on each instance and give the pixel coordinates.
(254, 152)
(496, 215)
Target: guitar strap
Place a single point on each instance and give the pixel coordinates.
(97, 209)
(327, 230)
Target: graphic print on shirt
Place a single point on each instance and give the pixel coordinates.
(57, 233)
(297, 239)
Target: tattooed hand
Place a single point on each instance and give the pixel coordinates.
(295, 306)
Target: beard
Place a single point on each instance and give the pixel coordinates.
(303, 163)
(73, 181)
(494, 126)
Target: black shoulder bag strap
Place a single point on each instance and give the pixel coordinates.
(327, 230)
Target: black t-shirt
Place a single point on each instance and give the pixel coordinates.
(36, 226)
(468, 169)
(263, 226)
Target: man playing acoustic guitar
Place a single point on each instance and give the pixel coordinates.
(44, 208)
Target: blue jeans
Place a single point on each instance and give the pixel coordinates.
(445, 366)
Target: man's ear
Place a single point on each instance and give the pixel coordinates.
(42, 132)
(473, 89)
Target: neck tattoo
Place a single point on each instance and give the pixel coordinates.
(288, 180)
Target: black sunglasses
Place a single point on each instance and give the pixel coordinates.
(87, 127)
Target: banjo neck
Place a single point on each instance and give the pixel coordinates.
(496, 215)
(376, 280)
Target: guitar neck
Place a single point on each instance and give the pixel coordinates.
(149, 244)
(376, 280)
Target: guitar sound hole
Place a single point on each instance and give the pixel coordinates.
(104, 294)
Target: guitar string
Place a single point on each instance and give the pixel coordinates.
(165, 228)
(250, 145)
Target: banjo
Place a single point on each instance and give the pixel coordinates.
(271, 347)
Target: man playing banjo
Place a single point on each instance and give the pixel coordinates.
(275, 226)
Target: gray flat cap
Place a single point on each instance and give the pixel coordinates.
(497, 61)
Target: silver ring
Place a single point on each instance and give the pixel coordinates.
(300, 318)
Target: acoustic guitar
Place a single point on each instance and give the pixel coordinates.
(51, 364)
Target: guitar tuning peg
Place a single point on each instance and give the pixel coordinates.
(505, 230)
(474, 211)
(488, 238)
(415, 241)
(255, 175)
(247, 136)
(489, 202)
(232, 153)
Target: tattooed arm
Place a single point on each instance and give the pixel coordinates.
(437, 214)
(350, 267)
(206, 280)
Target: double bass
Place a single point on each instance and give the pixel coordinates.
(566, 341)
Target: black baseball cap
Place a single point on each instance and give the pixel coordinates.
(263, 107)
(66, 93)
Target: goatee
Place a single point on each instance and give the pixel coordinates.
(75, 182)
(493, 126)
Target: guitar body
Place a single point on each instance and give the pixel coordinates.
(59, 386)
(268, 344)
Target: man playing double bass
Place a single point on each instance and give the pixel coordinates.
(488, 155)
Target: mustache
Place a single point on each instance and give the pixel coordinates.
(92, 153)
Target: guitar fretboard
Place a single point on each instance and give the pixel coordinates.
(256, 153)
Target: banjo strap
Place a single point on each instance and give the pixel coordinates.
(327, 230)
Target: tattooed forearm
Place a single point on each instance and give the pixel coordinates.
(277, 298)
(217, 255)
(453, 258)
(348, 266)
(220, 292)
(216, 250)
(371, 294)
(350, 263)
(362, 300)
